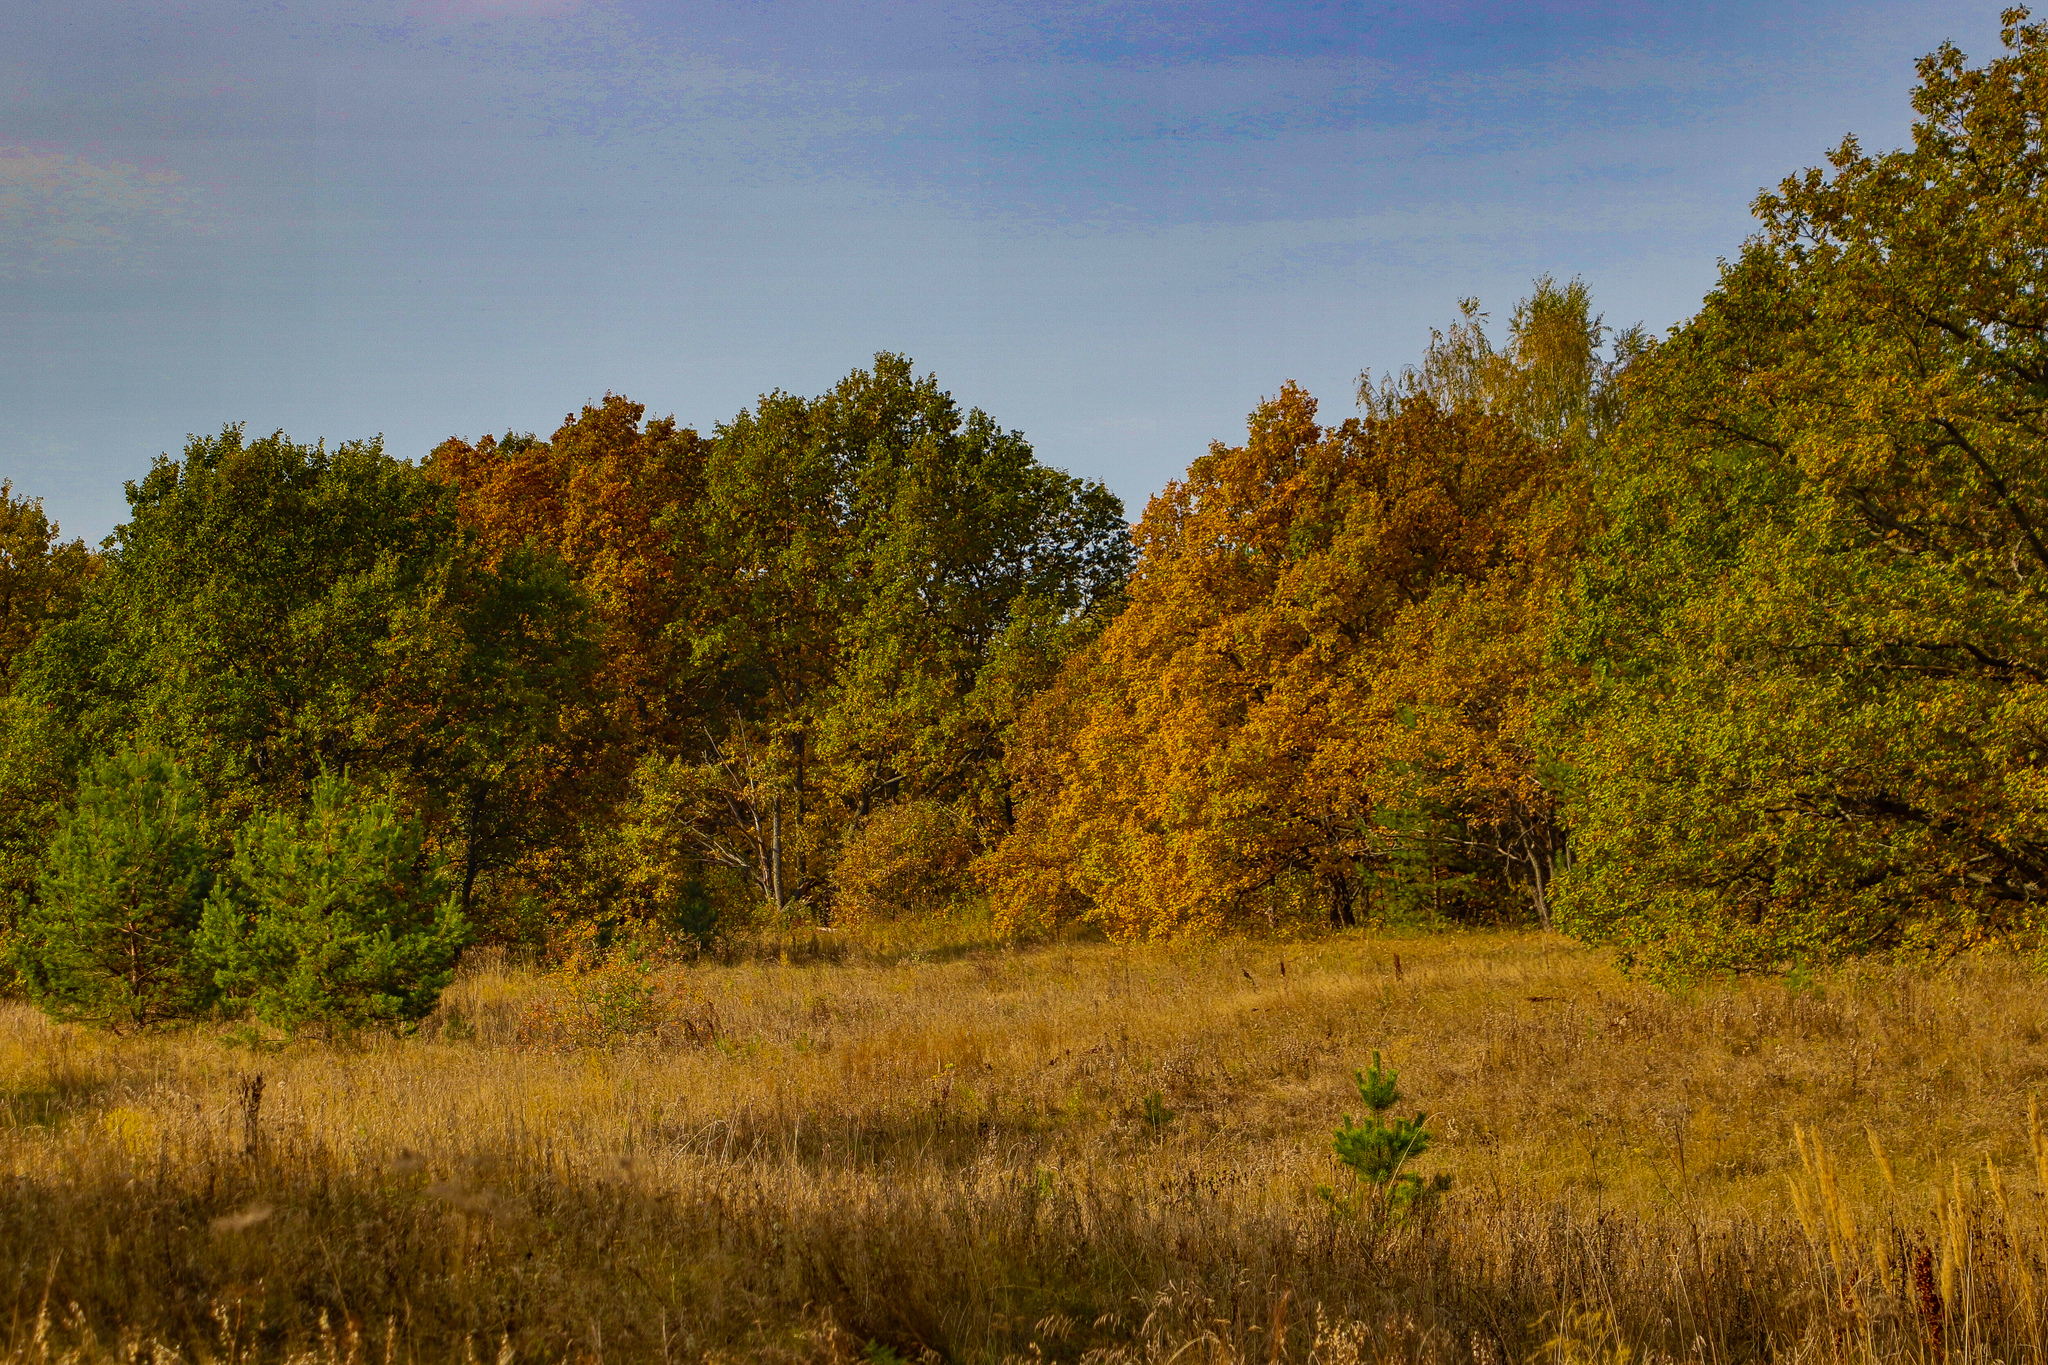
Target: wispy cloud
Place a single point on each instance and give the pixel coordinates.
(59, 211)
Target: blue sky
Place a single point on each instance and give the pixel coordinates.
(1114, 226)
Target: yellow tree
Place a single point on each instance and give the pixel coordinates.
(1331, 658)
(1216, 768)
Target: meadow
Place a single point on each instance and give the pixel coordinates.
(899, 1149)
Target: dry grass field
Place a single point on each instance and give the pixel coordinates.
(882, 1151)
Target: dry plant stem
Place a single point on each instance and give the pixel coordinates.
(946, 1150)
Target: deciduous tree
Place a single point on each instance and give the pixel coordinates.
(1815, 628)
(1330, 666)
(271, 610)
(828, 605)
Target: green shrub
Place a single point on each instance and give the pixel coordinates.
(335, 917)
(107, 938)
(697, 919)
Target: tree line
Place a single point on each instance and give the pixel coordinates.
(1727, 648)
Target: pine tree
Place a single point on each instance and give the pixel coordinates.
(1379, 1149)
(107, 939)
(333, 917)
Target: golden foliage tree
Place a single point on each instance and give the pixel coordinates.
(1327, 666)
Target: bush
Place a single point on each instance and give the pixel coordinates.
(334, 917)
(614, 1004)
(904, 859)
(107, 939)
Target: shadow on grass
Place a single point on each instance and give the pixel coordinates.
(777, 1259)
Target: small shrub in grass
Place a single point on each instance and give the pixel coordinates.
(697, 920)
(1156, 1114)
(1377, 1151)
(904, 860)
(334, 917)
(614, 1004)
(108, 937)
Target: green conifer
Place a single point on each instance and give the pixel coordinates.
(1378, 1149)
(335, 916)
(107, 938)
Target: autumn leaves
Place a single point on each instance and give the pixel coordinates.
(1318, 698)
(1730, 650)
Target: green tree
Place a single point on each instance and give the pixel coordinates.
(1817, 722)
(880, 545)
(42, 582)
(1556, 378)
(1378, 1150)
(490, 706)
(272, 609)
(336, 916)
(238, 614)
(42, 579)
(107, 937)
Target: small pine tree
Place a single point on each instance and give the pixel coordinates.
(1379, 1149)
(334, 917)
(107, 937)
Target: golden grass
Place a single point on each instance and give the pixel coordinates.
(946, 1153)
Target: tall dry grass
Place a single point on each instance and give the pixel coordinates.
(897, 1153)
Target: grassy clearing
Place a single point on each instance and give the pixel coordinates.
(869, 1150)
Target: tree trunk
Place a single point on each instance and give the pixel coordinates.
(775, 853)
(1541, 860)
(1342, 916)
(472, 854)
(803, 871)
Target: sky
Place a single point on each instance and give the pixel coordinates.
(1113, 225)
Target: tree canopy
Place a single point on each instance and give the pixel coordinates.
(1322, 683)
(1815, 616)
(1728, 649)
(817, 610)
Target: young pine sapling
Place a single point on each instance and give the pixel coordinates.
(1378, 1150)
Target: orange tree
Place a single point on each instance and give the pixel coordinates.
(595, 496)
(1326, 684)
